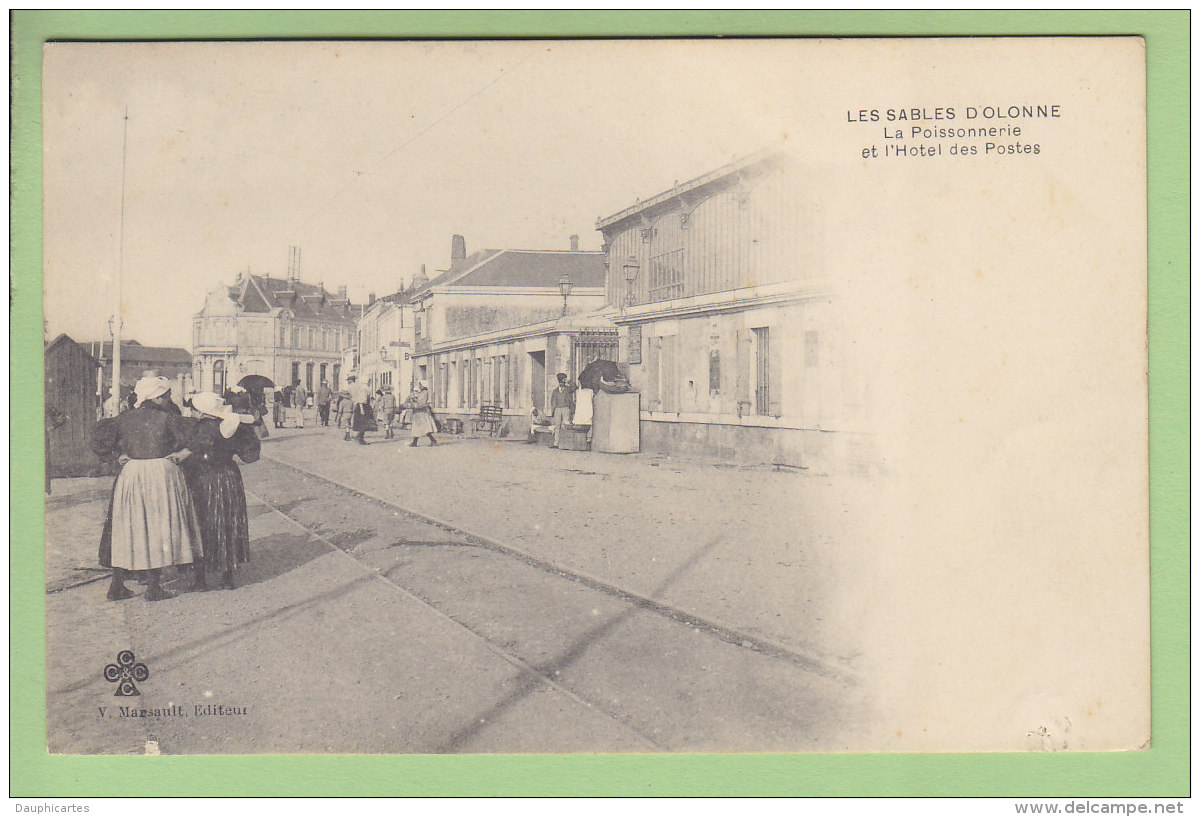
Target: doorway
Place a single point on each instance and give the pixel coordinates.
(537, 380)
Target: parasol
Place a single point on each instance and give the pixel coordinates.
(256, 383)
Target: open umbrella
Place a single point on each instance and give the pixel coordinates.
(603, 375)
(256, 383)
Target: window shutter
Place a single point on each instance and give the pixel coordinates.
(669, 383)
(744, 372)
(775, 377)
(652, 358)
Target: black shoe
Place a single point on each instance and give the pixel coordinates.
(413, 444)
(363, 442)
(158, 594)
(119, 593)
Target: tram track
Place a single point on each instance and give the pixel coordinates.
(808, 660)
(516, 661)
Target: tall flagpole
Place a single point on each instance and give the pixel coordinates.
(117, 318)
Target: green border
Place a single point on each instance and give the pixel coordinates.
(1161, 771)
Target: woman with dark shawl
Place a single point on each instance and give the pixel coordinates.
(215, 484)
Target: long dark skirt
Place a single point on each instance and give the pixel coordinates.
(220, 502)
(363, 419)
(105, 556)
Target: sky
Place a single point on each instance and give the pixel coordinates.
(367, 156)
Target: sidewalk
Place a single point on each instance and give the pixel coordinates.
(766, 552)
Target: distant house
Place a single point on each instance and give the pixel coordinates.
(170, 362)
(385, 332)
(281, 328)
(730, 327)
(72, 408)
(496, 328)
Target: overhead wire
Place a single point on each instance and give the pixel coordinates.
(382, 160)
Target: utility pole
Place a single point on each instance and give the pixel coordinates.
(117, 319)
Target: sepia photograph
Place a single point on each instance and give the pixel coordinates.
(542, 396)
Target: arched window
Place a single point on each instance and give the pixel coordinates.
(219, 376)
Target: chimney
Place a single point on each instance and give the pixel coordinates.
(458, 249)
(370, 298)
(342, 292)
(421, 279)
(574, 243)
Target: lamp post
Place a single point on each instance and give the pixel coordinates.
(564, 287)
(631, 268)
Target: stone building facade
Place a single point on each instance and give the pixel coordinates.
(281, 328)
(495, 328)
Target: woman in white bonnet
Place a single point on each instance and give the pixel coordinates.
(151, 522)
(215, 483)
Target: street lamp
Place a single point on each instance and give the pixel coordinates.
(631, 268)
(564, 287)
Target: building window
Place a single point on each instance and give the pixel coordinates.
(308, 377)
(337, 376)
(666, 259)
(592, 345)
(219, 377)
(295, 373)
(714, 370)
(295, 336)
(762, 369)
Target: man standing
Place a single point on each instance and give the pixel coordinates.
(561, 404)
(286, 398)
(324, 398)
(300, 400)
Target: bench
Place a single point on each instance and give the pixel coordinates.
(491, 417)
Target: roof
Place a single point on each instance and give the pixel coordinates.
(536, 269)
(133, 350)
(722, 175)
(262, 293)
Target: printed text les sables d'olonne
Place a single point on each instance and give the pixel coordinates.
(991, 131)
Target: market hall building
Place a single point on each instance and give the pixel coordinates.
(729, 325)
(498, 325)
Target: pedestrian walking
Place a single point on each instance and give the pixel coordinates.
(151, 522)
(423, 424)
(361, 418)
(386, 411)
(215, 484)
(562, 401)
(324, 399)
(343, 409)
(277, 407)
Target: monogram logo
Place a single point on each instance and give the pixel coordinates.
(125, 672)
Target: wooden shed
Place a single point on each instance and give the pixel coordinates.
(72, 408)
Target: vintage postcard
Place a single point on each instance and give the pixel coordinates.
(596, 396)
